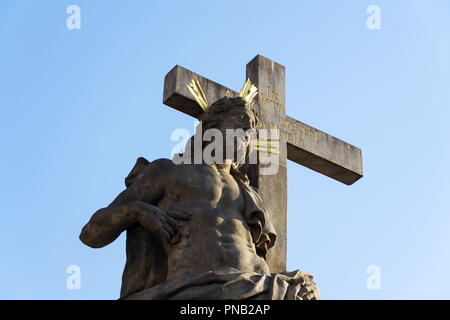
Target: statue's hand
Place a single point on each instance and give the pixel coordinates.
(161, 222)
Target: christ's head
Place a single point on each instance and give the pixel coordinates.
(235, 119)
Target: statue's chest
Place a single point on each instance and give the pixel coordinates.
(214, 189)
(229, 194)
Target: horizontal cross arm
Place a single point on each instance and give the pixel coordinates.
(322, 152)
(177, 96)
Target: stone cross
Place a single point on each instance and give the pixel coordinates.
(299, 142)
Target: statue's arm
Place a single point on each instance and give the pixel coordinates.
(133, 205)
(108, 223)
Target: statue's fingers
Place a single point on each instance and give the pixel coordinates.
(165, 234)
(168, 229)
(172, 222)
(178, 215)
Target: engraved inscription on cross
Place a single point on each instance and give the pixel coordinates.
(299, 142)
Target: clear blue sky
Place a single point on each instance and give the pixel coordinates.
(79, 106)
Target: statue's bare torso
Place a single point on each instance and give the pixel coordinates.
(217, 236)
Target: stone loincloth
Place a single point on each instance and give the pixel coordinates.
(231, 285)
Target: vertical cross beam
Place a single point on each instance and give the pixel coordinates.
(269, 77)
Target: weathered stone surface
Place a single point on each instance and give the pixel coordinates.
(177, 96)
(324, 153)
(269, 76)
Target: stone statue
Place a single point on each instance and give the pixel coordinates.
(197, 231)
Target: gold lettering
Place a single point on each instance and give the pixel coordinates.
(271, 99)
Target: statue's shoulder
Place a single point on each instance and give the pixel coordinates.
(144, 168)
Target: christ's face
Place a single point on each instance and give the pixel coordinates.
(236, 128)
(239, 118)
